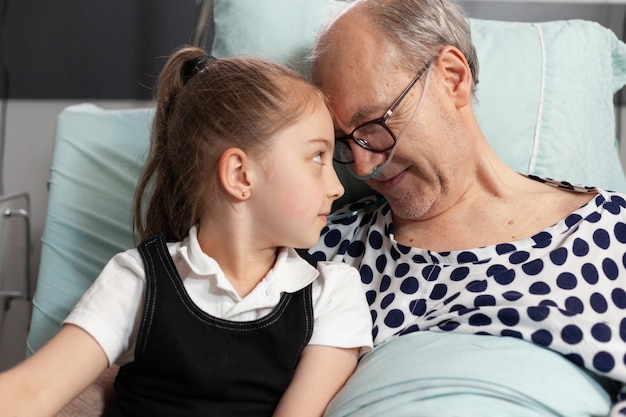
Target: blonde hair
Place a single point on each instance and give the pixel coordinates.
(228, 102)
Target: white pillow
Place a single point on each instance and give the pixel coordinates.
(545, 92)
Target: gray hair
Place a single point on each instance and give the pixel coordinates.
(418, 28)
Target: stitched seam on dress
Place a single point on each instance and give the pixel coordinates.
(266, 321)
(537, 135)
(150, 299)
(308, 313)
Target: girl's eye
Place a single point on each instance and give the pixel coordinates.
(318, 157)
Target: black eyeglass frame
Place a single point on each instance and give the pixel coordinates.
(381, 121)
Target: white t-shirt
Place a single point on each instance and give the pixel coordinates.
(111, 309)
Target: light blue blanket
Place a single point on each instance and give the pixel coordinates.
(429, 374)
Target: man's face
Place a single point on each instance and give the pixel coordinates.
(363, 75)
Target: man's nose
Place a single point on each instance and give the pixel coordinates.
(365, 162)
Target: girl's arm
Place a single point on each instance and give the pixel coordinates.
(320, 374)
(95, 399)
(53, 376)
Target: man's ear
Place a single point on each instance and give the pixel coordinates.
(233, 169)
(457, 75)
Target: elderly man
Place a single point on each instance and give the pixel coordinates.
(463, 243)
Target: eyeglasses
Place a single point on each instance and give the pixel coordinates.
(373, 135)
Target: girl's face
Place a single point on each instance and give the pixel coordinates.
(299, 182)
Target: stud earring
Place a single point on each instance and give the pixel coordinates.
(244, 194)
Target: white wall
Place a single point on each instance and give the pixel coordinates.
(30, 130)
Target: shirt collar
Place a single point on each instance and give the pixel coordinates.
(289, 274)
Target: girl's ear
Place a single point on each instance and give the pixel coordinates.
(457, 75)
(233, 169)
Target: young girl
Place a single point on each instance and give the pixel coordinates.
(213, 314)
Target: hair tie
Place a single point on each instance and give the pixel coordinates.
(194, 66)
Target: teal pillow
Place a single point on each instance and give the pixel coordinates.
(280, 30)
(545, 96)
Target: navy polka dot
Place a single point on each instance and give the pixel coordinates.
(465, 257)
(593, 217)
(459, 274)
(558, 256)
(367, 276)
(542, 240)
(618, 296)
(571, 334)
(512, 295)
(542, 337)
(387, 300)
(385, 283)
(566, 281)
(601, 238)
(601, 332)
(370, 296)
(603, 361)
(457, 308)
(451, 298)
(580, 247)
(404, 249)
(610, 269)
(381, 263)
(620, 232)
(589, 273)
(477, 286)
(402, 269)
(512, 333)
(431, 273)
(519, 257)
(418, 307)
(501, 274)
(539, 288)
(376, 240)
(504, 248)
(332, 238)
(611, 207)
(412, 328)
(484, 300)
(495, 269)
(356, 249)
(508, 316)
(598, 303)
(619, 200)
(409, 286)
(479, 319)
(419, 259)
(439, 291)
(572, 219)
(533, 267)
(538, 313)
(575, 358)
(574, 305)
(394, 318)
(449, 325)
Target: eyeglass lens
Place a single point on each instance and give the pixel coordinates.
(372, 136)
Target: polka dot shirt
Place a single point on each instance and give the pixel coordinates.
(563, 288)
